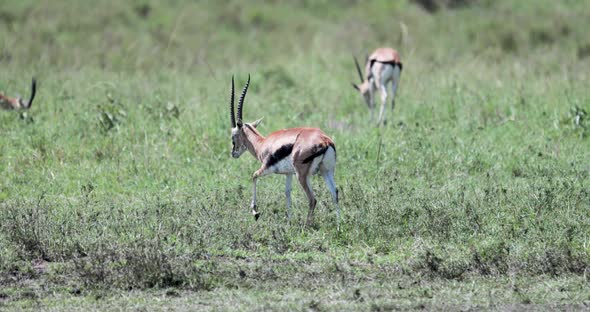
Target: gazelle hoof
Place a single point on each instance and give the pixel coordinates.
(256, 214)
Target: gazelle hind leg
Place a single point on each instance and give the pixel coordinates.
(381, 78)
(371, 103)
(383, 93)
(288, 188)
(327, 168)
(393, 89)
(394, 82)
(305, 181)
(331, 184)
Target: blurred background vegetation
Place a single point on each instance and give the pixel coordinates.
(208, 38)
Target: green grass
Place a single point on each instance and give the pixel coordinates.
(117, 188)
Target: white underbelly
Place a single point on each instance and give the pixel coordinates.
(285, 166)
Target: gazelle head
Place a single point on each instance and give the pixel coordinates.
(238, 137)
(364, 88)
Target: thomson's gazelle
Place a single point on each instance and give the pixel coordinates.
(10, 103)
(302, 152)
(382, 66)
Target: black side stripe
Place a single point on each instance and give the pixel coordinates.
(318, 153)
(279, 155)
(392, 63)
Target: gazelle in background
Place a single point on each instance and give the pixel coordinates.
(302, 152)
(381, 67)
(9, 103)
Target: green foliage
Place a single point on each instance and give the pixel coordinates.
(120, 176)
(111, 114)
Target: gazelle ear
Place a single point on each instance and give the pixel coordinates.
(355, 86)
(257, 122)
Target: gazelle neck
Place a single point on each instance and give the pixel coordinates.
(254, 141)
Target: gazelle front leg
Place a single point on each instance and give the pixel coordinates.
(259, 173)
(372, 103)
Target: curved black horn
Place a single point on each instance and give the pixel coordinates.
(241, 102)
(231, 104)
(33, 91)
(358, 68)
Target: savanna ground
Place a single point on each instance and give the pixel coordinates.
(118, 191)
